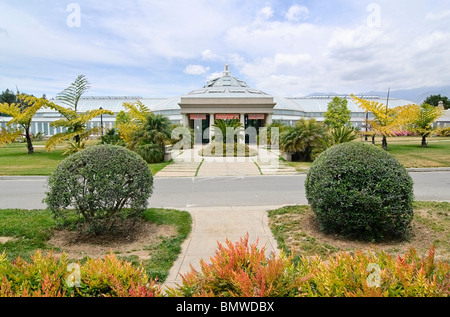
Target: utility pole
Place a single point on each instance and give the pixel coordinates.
(384, 144)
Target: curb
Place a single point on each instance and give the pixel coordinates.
(23, 178)
(432, 169)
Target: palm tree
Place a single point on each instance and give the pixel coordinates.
(131, 120)
(22, 112)
(274, 139)
(303, 139)
(230, 128)
(340, 135)
(423, 125)
(149, 141)
(74, 123)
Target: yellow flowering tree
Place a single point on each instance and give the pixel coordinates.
(22, 113)
(130, 121)
(387, 119)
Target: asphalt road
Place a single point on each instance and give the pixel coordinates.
(181, 193)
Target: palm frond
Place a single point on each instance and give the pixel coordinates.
(89, 115)
(11, 110)
(9, 135)
(72, 94)
(59, 138)
(137, 111)
(74, 147)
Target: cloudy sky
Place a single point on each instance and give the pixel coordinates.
(163, 48)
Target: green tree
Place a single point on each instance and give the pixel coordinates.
(274, 131)
(304, 139)
(74, 123)
(435, 99)
(150, 139)
(22, 113)
(338, 114)
(423, 125)
(7, 96)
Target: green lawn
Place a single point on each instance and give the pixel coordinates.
(295, 228)
(408, 151)
(30, 231)
(15, 161)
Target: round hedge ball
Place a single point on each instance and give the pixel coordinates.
(361, 192)
(103, 184)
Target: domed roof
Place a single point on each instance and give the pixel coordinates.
(227, 86)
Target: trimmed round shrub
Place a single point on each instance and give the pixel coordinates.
(102, 184)
(361, 192)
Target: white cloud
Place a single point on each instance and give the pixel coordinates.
(208, 55)
(438, 16)
(297, 13)
(285, 49)
(214, 75)
(265, 13)
(291, 59)
(196, 70)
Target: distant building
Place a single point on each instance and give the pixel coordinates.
(225, 97)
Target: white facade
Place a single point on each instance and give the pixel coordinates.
(219, 98)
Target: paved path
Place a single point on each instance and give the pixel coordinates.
(189, 163)
(213, 225)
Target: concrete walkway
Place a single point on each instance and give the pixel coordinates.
(189, 163)
(213, 225)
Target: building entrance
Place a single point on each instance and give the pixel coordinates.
(200, 124)
(256, 121)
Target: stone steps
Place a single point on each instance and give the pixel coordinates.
(179, 170)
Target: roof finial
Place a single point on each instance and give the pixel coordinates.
(227, 70)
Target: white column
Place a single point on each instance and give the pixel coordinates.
(242, 133)
(269, 119)
(211, 123)
(185, 120)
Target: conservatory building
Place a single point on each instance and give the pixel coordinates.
(225, 97)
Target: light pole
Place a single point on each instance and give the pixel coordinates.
(101, 124)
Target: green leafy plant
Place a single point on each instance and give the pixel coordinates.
(112, 137)
(303, 140)
(240, 270)
(48, 276)
(227, 131)
(336, 136)
(103, 184)
(150, 139)
(360, 191)
(114, 277)
(375, 274)
(243, 270)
